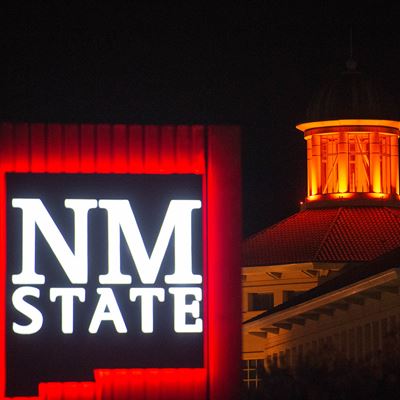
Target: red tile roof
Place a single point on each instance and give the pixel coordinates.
(345, 234)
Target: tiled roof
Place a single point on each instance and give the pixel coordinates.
(345, 234)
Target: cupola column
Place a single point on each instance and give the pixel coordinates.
(309, 167)
(343, 163)
(375, 163)
(394, 164)
(316, 165)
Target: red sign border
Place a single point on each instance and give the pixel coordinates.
(212, 151)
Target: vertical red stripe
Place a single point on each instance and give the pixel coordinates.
(71, 148)
(206, 306)
(119, 149)
(3, 263)
(136, 383)
(224, 238)
(151, 149)
(38, 148)
(7, 161)
(54, 154)
(183, 149)
(22, 145)
(103, 150)
(88, 163)
(197, 149)
(167, 151)
(6, 164)
(136, 149)
(50, 391)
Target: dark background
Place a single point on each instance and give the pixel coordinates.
(49, 355)
(253, 63)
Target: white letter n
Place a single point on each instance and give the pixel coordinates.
(35, 213)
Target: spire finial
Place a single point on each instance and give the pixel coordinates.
(351, 64)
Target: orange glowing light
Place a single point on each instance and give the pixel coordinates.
(348, 122)
(352, 156)
(341, 195)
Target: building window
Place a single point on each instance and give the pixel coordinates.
(289, 294)
(260, 301)
(251, 370)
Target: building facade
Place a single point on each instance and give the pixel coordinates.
(328, 276)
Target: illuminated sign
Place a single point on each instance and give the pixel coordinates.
(103, 271)
(119, 261)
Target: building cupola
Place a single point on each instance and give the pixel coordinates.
(352, 133)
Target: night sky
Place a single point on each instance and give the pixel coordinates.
(253, 63)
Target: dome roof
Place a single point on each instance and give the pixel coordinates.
(352, 95)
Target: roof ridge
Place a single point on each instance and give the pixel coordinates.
(340, 209)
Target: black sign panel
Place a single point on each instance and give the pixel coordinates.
(44, 341)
